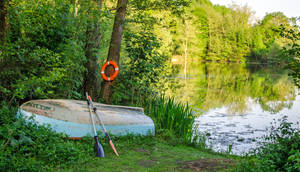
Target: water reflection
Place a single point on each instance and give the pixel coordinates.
(236, 103)
(235, 86)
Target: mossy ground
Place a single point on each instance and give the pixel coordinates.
(152, 154)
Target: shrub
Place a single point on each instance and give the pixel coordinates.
(279, 151)
(25, 146)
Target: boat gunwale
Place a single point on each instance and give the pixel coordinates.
(96, 103)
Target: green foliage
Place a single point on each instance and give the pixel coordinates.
(292, 51)
(145, 50)
(177, 7)
(268, 42)
(213, 33)
(270, 25)
(141, 69)
(144, 61)
(26, 146)
(42, 57)
(279, 152)
(218, 33)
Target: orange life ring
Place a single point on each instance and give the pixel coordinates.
(111, 78)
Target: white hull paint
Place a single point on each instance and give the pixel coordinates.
(72, 117)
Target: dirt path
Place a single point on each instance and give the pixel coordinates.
(207, 164)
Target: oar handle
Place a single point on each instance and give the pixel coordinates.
(99, 118)
(96, 112)
(98, 149)
(90, 111)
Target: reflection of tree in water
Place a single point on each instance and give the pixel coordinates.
(275, 106)
(215, 85)
(277, 97)
(226, 86)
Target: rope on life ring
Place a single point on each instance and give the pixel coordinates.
(111, 78)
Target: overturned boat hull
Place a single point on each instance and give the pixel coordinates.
(72, 117)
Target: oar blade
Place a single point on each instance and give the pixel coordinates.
(113, 147)
(98, 148)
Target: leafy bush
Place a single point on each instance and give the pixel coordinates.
(25, 146)
(279, 152)
(292, 52)
(43, 56)
(142, 69)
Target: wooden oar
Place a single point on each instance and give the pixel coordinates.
(106, 133)
(98, 147)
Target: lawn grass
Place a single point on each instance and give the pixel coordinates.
(148, 153)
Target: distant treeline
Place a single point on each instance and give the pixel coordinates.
(219, 33)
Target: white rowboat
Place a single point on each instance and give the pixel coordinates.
(72, 117)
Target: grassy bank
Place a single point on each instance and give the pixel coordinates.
(26, 146)
(154, 154)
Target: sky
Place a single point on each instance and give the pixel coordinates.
(290, 8)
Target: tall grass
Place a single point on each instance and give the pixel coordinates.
(171, 115)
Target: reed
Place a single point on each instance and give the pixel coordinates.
(171, 115)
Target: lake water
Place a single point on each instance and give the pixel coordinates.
(236, 103)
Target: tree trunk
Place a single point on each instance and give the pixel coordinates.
(114, 48)
(76, 8)
(185, 57)
(3, 16)
(93, 37)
